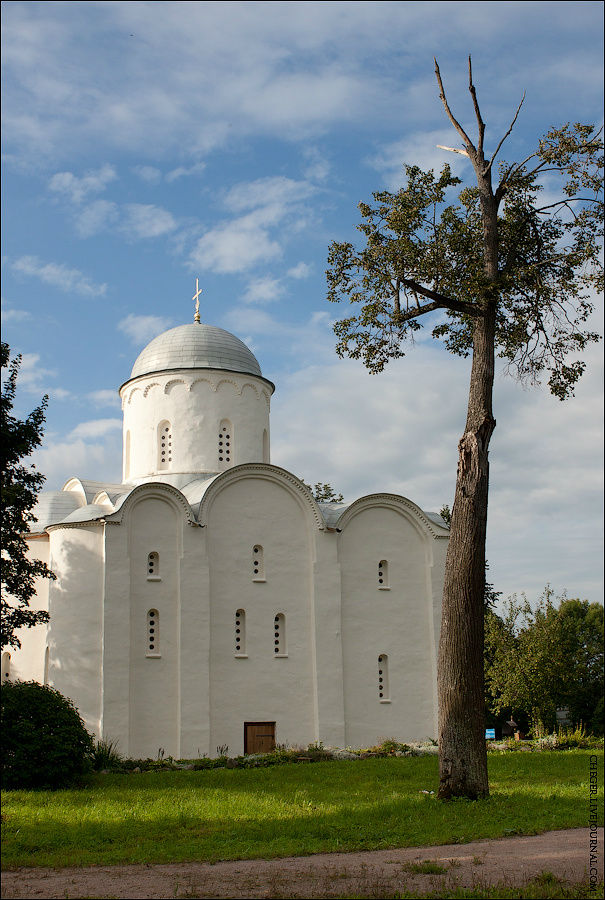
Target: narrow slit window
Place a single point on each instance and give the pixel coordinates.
(383, 678)
(279, 635)
(46, 664)
(153, 566)
(258, 563)
(6, 666)
(240, 632)
(153, 633)
(225, 443)
(383, 575)
(164, 445)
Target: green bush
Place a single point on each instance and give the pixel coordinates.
(44, 742)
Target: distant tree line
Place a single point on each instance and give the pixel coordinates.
(542, 658)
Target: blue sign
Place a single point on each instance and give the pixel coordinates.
(490, 734)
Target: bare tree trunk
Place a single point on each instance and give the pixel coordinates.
(462, 751)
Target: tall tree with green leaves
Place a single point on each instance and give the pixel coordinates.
(20, 486)
(545, 656)
(503, 269)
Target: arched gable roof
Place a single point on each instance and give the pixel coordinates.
(52, 507)
(422, 521)
(265, 472)
(88, 490)
(157, 489)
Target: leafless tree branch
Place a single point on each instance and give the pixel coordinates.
(453, 150)
(480, 121)
(469, 144)
(512, 125)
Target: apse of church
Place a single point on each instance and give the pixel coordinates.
(209, 600)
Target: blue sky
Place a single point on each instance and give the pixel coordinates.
(147, 143)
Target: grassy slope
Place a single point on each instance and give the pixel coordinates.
(286, 810)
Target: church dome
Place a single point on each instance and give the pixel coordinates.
(196, 346)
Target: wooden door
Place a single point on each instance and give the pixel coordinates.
(259, 737)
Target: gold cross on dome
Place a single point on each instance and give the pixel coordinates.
(196, 297)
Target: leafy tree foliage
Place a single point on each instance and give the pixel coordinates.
(500, 269)
(20, 484)
(43, 742)
(446, 514)
(324, 493)
(546, 657)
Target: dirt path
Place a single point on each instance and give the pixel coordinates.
(512, 860)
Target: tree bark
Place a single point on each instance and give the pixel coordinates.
(462, 751)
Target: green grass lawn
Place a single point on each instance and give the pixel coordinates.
(287, 810)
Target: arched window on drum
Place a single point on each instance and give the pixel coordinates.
(225, 444)
(164, 445)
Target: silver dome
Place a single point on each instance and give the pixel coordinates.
(196, 346)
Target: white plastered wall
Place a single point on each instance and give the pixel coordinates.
(327, 640)
(154, 526)
(194, 404)
(76, 617)
(398, 622)
(262, 687)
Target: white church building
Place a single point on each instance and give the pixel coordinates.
(209, 600)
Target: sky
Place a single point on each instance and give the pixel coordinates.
(150, 143)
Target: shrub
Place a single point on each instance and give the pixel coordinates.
(44, 742)
(106, 756)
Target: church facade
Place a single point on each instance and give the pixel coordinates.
(208, 600)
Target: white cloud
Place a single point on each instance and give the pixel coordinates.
(241, 243)
(297, 344)
(141, 329)
(60, 459)
(15, 315)
(34, 378)
(96, 217)
(301, 70)
(418, 149)
(272, 193)
(317, 167)
(59, 393)
(263, 290)
(235, 246)
(77, 189)
(148, 173)
(105, 397)
(300, 270)
(60, 276)
(95, 428)
(183, 171)
(32, 374)
(137, 220)
(146, 221)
